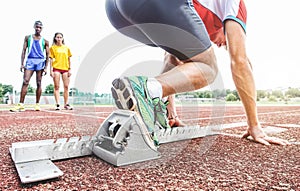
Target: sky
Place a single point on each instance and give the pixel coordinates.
(272, 43)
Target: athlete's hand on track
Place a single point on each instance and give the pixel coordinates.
(259, 136)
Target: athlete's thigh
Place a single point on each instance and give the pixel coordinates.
(173, 25)
(56, 78)
(123, 25)
(65, 79)
(27, 74)
(39, 74)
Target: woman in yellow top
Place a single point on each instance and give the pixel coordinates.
(60, 66)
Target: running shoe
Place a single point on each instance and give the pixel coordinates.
(18, 107)
(68, 107)
(160, 110)
(37, 107)
(57, 107)
(131, 93)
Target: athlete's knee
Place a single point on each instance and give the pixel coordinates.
(171, 59)
(207, 60)
(214, 72)
(66, 87)
(25, 82)
(212, 64)
(56, 88)
(39, 84)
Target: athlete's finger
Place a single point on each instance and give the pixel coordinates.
(262, 141)
(246, 134)
(277, 141)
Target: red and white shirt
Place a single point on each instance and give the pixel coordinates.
(215, 12)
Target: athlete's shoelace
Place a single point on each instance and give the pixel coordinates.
(160, 109)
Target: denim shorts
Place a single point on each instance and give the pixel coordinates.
(173, 25)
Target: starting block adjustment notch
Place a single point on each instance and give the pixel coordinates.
(33, 158)
(121, 141)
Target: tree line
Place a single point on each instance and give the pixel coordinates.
(228, 95)
(232, 95)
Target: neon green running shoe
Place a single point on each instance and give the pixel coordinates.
(18, 107)
(131, 93)
(160, 110)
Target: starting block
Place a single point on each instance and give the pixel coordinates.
(122, 139)
(33, 159)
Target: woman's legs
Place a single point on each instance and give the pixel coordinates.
(56, 81)
(66, 82)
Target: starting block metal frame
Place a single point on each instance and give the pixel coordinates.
(120, 140)
(33, 159)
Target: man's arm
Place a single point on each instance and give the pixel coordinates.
(23, 53)
(47, 56)
(243, 78)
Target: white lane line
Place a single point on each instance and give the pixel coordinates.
(75, 114)
(295, 143)
(240, 115)
(37, 117)
(231, 135)
(288, 125)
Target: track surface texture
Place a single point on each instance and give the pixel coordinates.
(219, 162)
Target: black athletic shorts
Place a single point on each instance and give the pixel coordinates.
(173, 25)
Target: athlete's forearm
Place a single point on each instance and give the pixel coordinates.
(22, 58)
(46, 62)
(69, 64)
